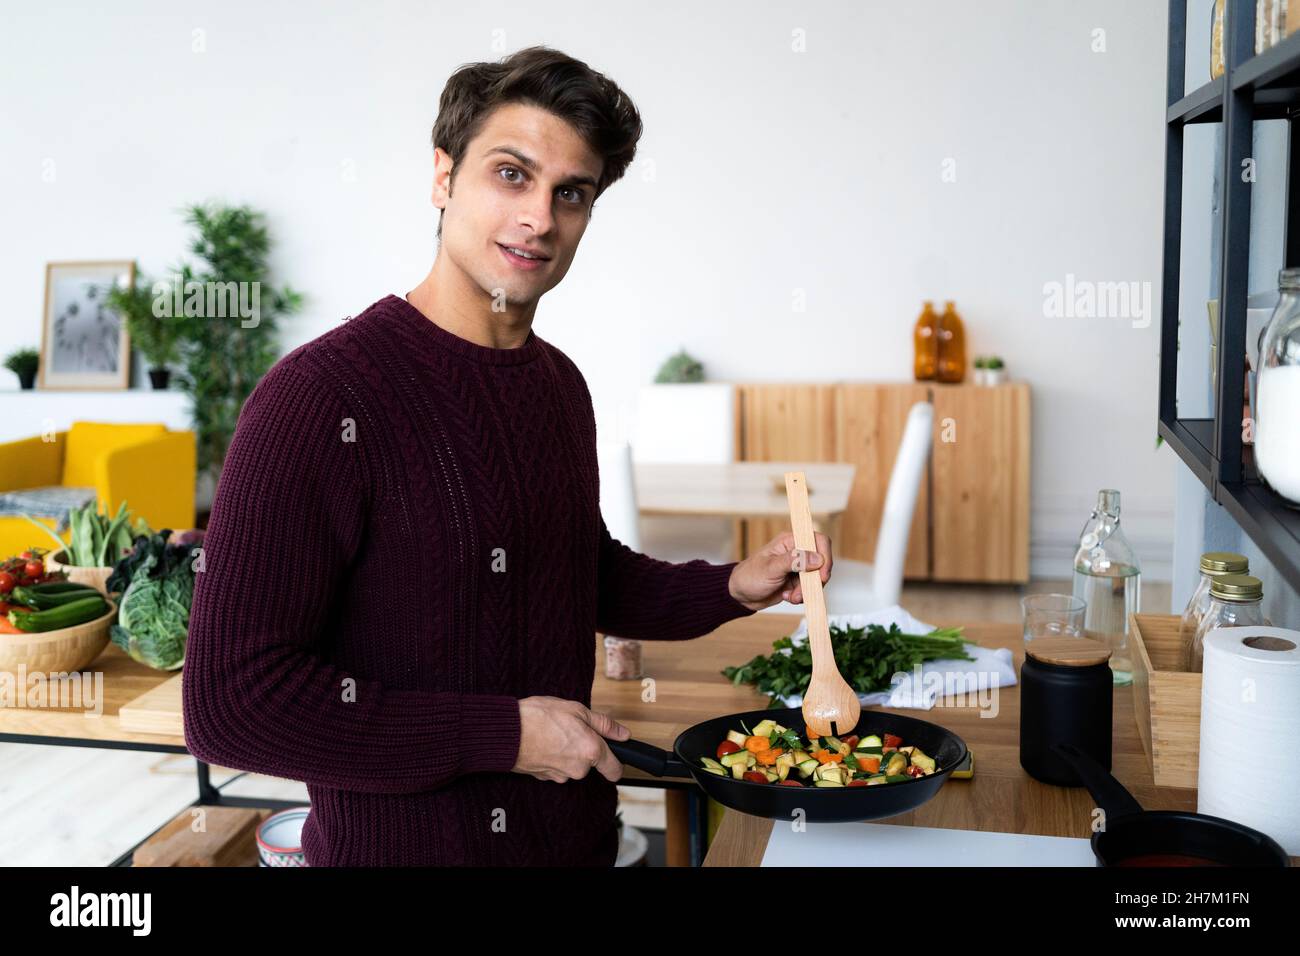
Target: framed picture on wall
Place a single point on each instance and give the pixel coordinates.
(84, 343)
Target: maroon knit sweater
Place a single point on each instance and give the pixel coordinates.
(406, 539)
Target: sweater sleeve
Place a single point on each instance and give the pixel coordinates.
(651, 600)
(258, 691)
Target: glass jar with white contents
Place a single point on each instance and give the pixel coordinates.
(1277, 393)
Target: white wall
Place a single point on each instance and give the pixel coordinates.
(765, 174)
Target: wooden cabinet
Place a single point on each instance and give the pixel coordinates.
(972, 513)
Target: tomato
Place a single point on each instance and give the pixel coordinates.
(26, 555)
(853, 741)
(34, 568)
(790, 783)
(858, 783)
(727, 747)
(755, 777)
(892, 741)
(7, 582)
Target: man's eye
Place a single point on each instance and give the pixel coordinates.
(509, 169)
(575, 193)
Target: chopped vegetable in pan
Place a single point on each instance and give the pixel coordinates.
(778, 755)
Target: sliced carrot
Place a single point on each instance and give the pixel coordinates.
(826, 756)
(757, 744)
(869, 764)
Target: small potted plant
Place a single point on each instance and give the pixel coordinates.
(24, 364)
(981, 366)
(155, 336)
(995, 372)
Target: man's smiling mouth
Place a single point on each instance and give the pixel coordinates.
(522, 256)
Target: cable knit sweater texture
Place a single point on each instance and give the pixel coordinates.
(405, 540)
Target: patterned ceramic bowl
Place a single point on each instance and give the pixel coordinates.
(279, 838)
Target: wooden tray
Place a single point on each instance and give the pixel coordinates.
(1166, 699)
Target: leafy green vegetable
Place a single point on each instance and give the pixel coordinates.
(867, 657)
(154, 613)
(97, 540)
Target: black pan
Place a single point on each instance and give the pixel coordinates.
(819, 804)
(1137, 837)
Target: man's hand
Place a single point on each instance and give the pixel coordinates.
(561, 740)
(772, 575)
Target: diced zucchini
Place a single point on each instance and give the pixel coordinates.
(921, 760)
(801, 755)
(782, 769)
(718, 771)
(738, 758)
(764, 728)
(786, 760)
(808, 767)
(896, 764)
(827, 783)
(896, 778)
(871, 740)
(772, 775)
(711, 764)
(869, 752)
(832, 744)
(876, 779)
(906, 750)
(738, 770)
(737, 738)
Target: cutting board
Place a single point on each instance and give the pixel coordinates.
(883, 844)
(205, 836)
(156, 711)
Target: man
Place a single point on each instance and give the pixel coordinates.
(405, 565)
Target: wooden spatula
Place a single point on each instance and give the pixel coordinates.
(830, 705)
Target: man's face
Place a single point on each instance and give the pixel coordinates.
(527, 181)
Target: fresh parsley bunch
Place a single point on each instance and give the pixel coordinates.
(867, 657)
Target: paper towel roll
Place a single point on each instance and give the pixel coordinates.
(1250, 730)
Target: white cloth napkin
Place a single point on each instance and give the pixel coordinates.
(991, 667)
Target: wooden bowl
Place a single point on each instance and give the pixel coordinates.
(66, 649)
(97, 578)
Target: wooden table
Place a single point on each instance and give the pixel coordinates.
(1000, 796)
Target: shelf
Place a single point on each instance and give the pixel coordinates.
(1268, 521)
(1204, 105)
(1276, 68)
(1191, 440)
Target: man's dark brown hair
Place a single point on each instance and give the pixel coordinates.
(603, 115)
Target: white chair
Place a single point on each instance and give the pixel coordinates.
(686, 424)
(618, 492)
(856, 586)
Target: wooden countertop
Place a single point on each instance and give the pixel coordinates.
(1000, 796)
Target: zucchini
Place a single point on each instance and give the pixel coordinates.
(711, 764)
(866, 743)
(896, 764)
(808, 767)
(66, 615)
(43, 600)
(57, 587)
(737, 738)
(827, 783)
(763, 728)
(897, 778)
(737, 757)
(922, 760)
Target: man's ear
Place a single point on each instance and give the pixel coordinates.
(442, 166)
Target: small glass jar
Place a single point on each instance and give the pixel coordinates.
(1277, 393)
(1214, 564)
(622, 658)
(1235, 601)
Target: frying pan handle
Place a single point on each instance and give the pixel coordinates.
(1105, 789)
(653, 760)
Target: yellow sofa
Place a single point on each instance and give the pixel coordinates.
(145, 465)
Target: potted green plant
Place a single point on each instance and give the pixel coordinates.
(680, 369)
(995, 372)
(157, 337)
(24, 364)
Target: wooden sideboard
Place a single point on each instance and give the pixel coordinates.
(972, 512)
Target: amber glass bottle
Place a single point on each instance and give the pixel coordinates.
(925, 339)
(951, 337)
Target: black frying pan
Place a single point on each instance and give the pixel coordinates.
(820, 804)
(1137, 837)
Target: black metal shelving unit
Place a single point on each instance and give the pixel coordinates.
(1252, 88)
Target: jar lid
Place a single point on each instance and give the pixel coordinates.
(1288, 279)
(1237, 587)
(1068, 651)
(1224, 562)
